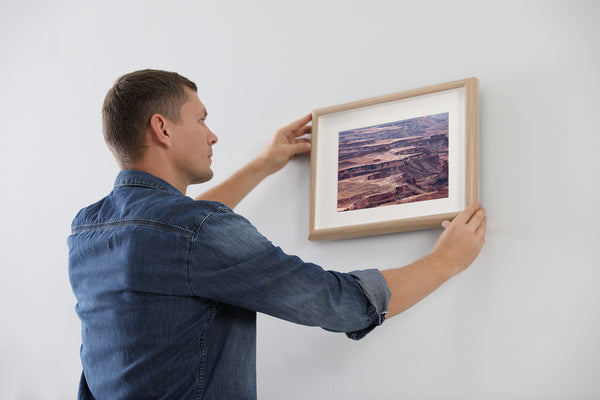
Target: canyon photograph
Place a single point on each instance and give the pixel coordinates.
(393, 163)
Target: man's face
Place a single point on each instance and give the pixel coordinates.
(193, 140)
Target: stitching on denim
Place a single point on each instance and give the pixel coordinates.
(132, 222)
(211, 315)
(148, 185)
(202, 366)
(190, 266)
(218, 210)
(193, 239)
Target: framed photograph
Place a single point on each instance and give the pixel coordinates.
(403, 161)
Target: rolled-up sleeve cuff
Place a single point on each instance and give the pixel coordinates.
(377, 292)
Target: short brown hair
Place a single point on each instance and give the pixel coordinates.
(132, 101)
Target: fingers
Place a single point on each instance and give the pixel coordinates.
(302, 146)
(473, 216)
(290, 133)
(465, 216)
(300, 122)
(476, 219)
(480, 231)
(303, 130)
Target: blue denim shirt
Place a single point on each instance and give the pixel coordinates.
(168, 288)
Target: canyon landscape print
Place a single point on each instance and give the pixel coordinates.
(393, 163)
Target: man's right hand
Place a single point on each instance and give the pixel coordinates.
(462, 240)
(454, 251)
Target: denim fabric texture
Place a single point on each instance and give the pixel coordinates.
(168, 288)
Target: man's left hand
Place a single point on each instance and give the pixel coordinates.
(286, 143)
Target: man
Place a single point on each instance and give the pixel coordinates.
(168, 287)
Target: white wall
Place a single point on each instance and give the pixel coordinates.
(521, 323)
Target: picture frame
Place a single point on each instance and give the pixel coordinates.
(399, 162)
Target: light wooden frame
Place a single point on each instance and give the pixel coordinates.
(471, 151)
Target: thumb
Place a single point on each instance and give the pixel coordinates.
(445, 224)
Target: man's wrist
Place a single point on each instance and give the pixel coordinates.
(440, 266)
(263, 166)
(259, 167)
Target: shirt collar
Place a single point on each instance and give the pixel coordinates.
(130, 177)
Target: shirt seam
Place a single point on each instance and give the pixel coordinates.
(213, 308)
(202, 366)
(193, 240)
(146, 185)
(217, 211)
(132, 222)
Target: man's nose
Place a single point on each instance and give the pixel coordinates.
(212, 138)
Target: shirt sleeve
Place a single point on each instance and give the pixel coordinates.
(231, 262)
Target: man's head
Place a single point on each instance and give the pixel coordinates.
(154, 121)
(130, 104)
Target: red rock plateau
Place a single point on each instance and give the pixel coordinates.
(394, 163)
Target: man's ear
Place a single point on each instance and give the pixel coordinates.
(159, 127)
